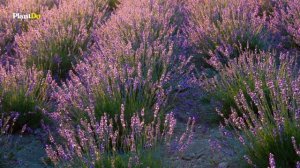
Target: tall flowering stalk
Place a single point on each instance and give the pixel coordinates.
(60, 38)
(221, 29)
(267, 124)
(96, 143)
(25, 91)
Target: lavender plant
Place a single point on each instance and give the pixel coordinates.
(60, 39)
(10, 26)
(267, 7)
(25, 91)
(240, 73)
(136, 74)
(94, 143)
(286, 23)
(221, 29)
(268, 125)
(136, 24)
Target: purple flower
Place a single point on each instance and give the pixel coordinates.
(57, 59)
(272, 161)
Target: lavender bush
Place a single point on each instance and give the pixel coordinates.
(61, 38)
(25, 91)
(141, 26)
(222, 29)
(135, 74)
(97, 143)
(286, 23)
(239, 74)
(268, 123)
(10, 26)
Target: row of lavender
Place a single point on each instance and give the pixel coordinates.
(102, 76)
(254, 48)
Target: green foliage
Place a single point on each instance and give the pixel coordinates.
(61, 50)
(278, 142)
(25, 93)
(137, 92)
(17, 100)
(147, 158)
(113, 4)
(239, 74)
(223, 29)
(59, 41)
(133, 99)
(265, 116)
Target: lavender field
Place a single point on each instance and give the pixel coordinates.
(149, 83)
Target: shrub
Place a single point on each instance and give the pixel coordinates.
(137, 73)
(59, 40)
(221, 29)
(267, 7)
(286, 23)
(155, 22)
(25, 91)
(268, 124)
(94, 143)
(9, 26)
(240, 73)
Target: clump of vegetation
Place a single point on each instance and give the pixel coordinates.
(238, 75)
(286, 23)
(58, 40)
(137, 73)
(97, 143)
(221, 29)
(10, 27)
(25, 91)
(266, 117)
